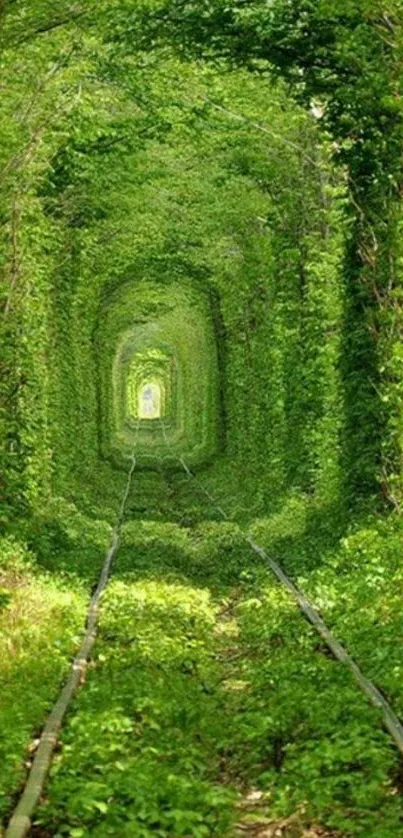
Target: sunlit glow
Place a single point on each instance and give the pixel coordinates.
(149, 401)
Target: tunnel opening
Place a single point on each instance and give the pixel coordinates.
(148, 386)
(158, 364)
(149, 401)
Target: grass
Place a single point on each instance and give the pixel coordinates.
(211, 707)
(40, 622)
(207, 686)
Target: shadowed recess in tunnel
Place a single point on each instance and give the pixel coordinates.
(157, 359)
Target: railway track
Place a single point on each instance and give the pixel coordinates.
(157, 496)
(21, 820)
(390, 719)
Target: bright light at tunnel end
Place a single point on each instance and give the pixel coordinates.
(149, 401)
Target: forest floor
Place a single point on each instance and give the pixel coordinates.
(210, 706)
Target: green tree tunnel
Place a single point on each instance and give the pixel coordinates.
(166, 335)
(201, 269)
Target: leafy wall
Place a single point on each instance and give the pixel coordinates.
(125, 165)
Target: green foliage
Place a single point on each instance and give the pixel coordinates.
(194, 696)
(14, 556)
(65, 540)
(160, 192)
(150, 696)
(136, 184)
(343, 62)
(211, 552)
(364, 576)
(40, 622)
(316, 744)
(346, 58)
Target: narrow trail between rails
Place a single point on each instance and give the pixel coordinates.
(203, 685)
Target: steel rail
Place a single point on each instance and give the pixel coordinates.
(21, 820)
(390, 719)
